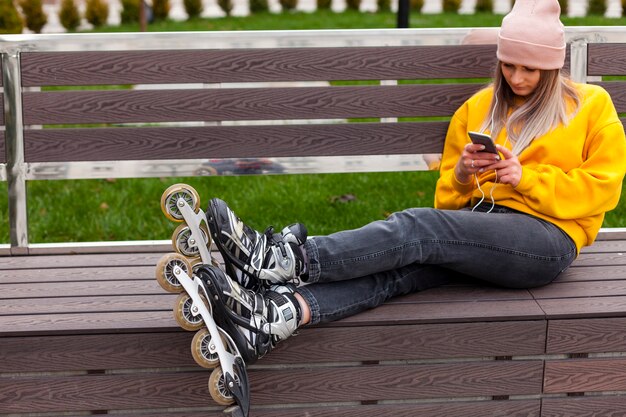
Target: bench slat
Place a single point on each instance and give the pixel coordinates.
(98, 392)
(471, 292)
(411, 342)
(584, 307)
(299, 385)
(606, 246)
(58, 275)
(585, 375)
(586, 336)
(78, 261)
(146, 294)
(87, 323)
(96, 352)
(601, 259)
(407, 381)
(582, 289)
(517, 408)
(342, 345)
(256, 65)
(606, 59)
(589, 273)
(128, 304)
(225, 104)
(79, 289)
(583, 406)
(447, 312)
(160, 317)
(53, 145)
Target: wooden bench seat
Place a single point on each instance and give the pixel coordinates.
(101, 322)
(85, 329)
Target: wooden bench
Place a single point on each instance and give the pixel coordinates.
(85, 329)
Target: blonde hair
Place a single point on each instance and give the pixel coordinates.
(547, 107)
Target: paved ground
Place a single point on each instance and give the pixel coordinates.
(577, 8)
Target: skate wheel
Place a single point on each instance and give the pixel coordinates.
(196, 263)
(165, 271)
(184, 315)
(218, 389)
(169, 200)
(184, 244)
(201, 349)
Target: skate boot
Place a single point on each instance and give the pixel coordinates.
(256, 260)
(211, 347)
(255, 322)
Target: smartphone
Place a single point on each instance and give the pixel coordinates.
(485, 140)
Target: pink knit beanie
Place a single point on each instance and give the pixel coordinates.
(532, 35)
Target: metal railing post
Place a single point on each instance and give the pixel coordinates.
(16, 171)
(578, 60)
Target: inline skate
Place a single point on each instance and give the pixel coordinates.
(256, 259)
(212, 347)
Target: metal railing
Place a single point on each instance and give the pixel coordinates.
(16, 172)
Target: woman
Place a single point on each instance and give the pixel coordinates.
(557, 141)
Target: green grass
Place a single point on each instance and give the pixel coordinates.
(348, 19)
(129, 209)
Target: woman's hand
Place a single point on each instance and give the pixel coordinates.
(473, 160)
(509, 169)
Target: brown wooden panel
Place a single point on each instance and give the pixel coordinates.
(102, 392)
(79, 289)
(583, 289)
(617, 90)
(89, 304)
(1, 105)
(96, 352)
(36, 276)
(162, 319)
(586, 336)
(309, 385)
(411, 342)
(527, 408)
(50, 145)
(476, 292)
(585, 375)
(398, 382)
(584, 307)
(600, 259)
(606, 246)
(224, 104)
(79, 261)
(595, 406)
(312, 345)
(257, 65)
(591, 273)
(458, 312)
(517, 408)
(87, 323)
(606, 59)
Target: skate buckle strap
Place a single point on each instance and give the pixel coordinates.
(259, 305)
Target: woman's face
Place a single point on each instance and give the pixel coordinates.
(522, 80)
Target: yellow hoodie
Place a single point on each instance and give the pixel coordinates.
(570, 177)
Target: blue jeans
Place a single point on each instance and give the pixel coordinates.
(420, 248)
